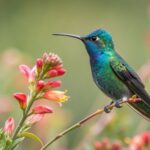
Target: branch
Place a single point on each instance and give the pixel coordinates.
(80, 123)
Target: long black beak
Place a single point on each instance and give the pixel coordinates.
(70, 35)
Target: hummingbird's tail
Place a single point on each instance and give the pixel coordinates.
(141, 108)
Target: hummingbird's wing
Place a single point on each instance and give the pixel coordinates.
(130, 78)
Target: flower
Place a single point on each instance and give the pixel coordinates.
(58, 96)
(42, 109)
(54, 84)
(9, 126)
(22, 99)
(27, 72)
(56, 72)
(52, 59)
(34, 119)
(40, 85)
(137, 143)
(39, 64)
(146, 138)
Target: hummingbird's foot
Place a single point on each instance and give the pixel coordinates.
(134, 99)
(107, 108)
(118, 103)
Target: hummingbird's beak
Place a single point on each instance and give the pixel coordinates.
(70, 35)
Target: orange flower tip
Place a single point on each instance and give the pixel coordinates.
(42, 109)
(22, 99)
(40, 85)
(39, 63)
(54, 84)
(57, 96)
(9, 126)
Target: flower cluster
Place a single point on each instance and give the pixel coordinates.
(140, 141)
(40, 87)
(105, 144)
(47, 67)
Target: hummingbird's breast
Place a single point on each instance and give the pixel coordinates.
(106, 79)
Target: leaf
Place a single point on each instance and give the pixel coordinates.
(32, 136)
(16, 142)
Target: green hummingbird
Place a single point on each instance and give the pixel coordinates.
(111, 73)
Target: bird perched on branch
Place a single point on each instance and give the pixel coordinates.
(111, 73)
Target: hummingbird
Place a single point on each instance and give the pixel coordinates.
(111, 73)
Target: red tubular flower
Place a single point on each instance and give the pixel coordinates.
(54, 84)
(61, 71)
(57, 96)
(40, 85)
(52, 73)
(39, 63)
(22, 99)
(9, 126)
(42, 109)
(34, 119)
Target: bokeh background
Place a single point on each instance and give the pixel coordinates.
(25, 33)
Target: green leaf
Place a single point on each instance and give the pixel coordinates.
(32, 136)
(16, 142)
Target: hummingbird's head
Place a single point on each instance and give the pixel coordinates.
(96, 42)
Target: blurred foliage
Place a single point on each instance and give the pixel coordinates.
(25, 33)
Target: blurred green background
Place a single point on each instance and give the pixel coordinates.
(25, 33)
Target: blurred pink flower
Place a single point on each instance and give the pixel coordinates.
(22, 99)
(137, 143)
(34, 119)
(9, 126)
(42, 109)
(27, 72)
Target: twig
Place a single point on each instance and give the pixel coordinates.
(80, 123)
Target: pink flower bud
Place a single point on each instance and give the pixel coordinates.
(42, 109)
(54, 84)
(22, 99)
(40, 85)
(52, 73)
(39, 63)
(34, 119)
(9, 126)
(116, 146)
(61, 71)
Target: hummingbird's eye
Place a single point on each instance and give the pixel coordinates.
(94, 38)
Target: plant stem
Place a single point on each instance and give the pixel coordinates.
(80, 123)
(25, 115)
